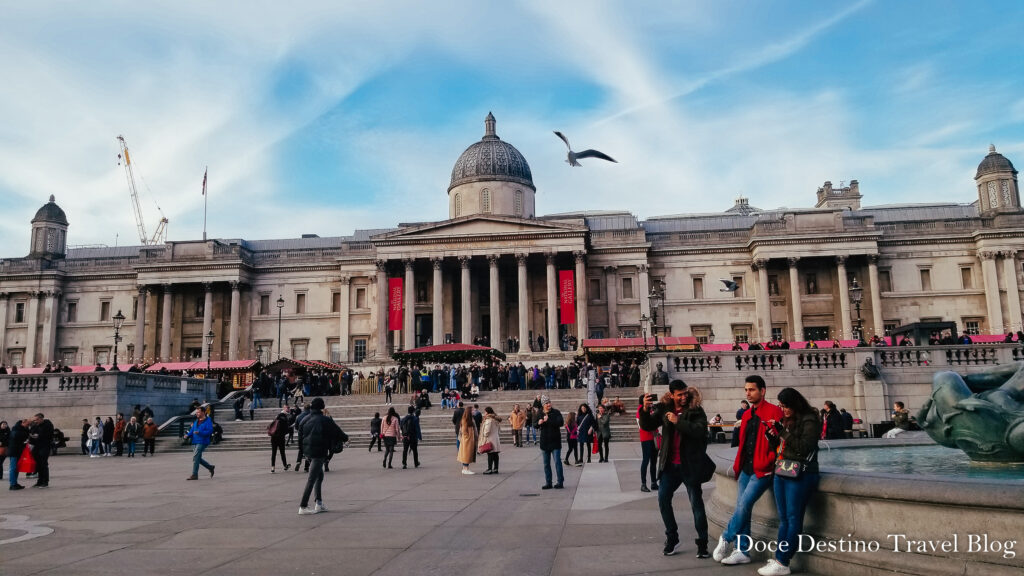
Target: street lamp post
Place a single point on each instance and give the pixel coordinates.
(656, 298)
(280, 306)
(644, 321)
(856, 297)
(209, 351)
(118, 322)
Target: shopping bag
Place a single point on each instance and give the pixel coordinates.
(594, 445)
(26, 464)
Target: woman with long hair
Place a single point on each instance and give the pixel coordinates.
(467, 441)
(799, 431)
(570, 438)
(389, 431)
(585, 426)
(490, 431)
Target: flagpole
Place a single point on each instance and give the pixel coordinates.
(204, 202)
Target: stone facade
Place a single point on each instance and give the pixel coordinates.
(491, 270)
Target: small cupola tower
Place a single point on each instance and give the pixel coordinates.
(997, 184)
(49, 232)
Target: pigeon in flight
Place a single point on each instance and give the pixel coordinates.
(573, 156)
(730, 286)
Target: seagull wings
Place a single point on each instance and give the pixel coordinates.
(595, 154)
(730, 286)
(564, 139)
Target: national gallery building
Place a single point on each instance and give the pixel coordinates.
(496, 271)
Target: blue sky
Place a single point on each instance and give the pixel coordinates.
(331, 116)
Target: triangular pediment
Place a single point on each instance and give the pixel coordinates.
(481, 226)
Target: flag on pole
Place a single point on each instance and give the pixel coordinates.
(204, 181)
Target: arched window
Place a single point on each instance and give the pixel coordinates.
(458, 205)
(517, 207)
(485, 200)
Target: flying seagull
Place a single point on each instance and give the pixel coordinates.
(573, 156)
(730, 286)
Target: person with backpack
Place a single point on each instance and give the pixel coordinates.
(319, 435)
(277, 431)
(411, 436)
(132, 431)
(298, 426)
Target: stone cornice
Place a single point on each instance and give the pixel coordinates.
(485, 238)
(805, 240)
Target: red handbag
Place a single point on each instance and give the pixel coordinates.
(485, 448)
(26, 463)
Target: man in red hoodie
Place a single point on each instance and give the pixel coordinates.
(755, 461)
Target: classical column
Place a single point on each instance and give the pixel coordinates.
(409, 318)
(1013, 317)
(995, 309)
(552, 328)
(645, 289)
(33, 328)
(344, 298)
(524, 303)
(582, 322)
(762, 301)
(207, 318)
(165, 329)
(236, 301)
(382, 309)
(612, 299)
(140, 326)
(495, 300)
(794, 296)
(467, 319)
(844, 298)
(50, 314)
(4, 300)
(438, 302)
(876, 295)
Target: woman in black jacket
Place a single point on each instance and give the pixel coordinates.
(799, 431)
(585, 427)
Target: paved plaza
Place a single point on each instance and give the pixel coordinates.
(115, 516)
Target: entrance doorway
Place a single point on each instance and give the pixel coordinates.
(424, 329)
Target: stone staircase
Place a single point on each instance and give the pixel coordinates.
(353, 414)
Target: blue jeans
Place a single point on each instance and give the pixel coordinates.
(791, 498)
(649, 461)
(95, 448)
(531, 430)
(671, 479)
(557, 453)
(749, 488)
(131, 447)
(257, 398)
(13, 469)
(197, 458)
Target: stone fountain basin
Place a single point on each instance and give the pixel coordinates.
(954, 515)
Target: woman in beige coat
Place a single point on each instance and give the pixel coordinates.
(467, 441)
(490, 431)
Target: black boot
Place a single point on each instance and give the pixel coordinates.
(702, 548)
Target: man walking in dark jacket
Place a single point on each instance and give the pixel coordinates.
(411, 436)
(682, 460)
(19, 439)
(278, 432)
(318, 433)
(550, 423)
(41, 438)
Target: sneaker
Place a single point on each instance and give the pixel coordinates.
(559, 486)
(672, 547)
(305, 511)
(287, 466)
(16, 487)
(773, 568)
(722, 550)
(546, 487)
(468, 472)
(192, 477)
(272, 471)
(736, 557)
(212, 468)
(644, 488)
(319, 508)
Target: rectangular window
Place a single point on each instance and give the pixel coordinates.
(200, 308)
(595, 289)
(596, 333)
(698, 288)
(135, 308)
(335, 302)
(890, 326)
(264, 352)
(926, 279)
(630, 333)
(421, 291)
(741, 334)
(627, 289)
(884, 281)
(72, 315)
(16, 357)
(739, 282)
(777, 333)
(972, 327)
(360, 298)
(702, 333)
(811, 284)
(68, 357)
(335, 350)
(194, 353)
(102, 356)
(105, 311)
(359, 348)
(967, 278)
(264, 304)
(299, 350)
(300, 303)
(19, 313)
(773, 285)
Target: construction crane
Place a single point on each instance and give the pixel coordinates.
(161, 230)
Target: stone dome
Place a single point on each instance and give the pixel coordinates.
(491, 159)
(993, 163)
(50, 212)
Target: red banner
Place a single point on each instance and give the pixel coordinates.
(567, 297)
(394, 303)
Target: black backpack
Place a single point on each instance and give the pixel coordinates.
(407, 428)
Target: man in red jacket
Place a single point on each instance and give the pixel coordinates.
(755, 461)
